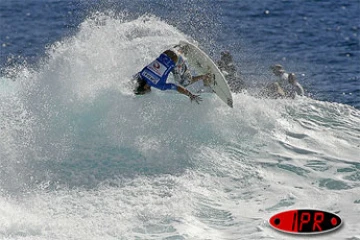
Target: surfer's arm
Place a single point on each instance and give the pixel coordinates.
(299, 89)
(205, 77)
(186, 92)
(182, 90)
(197, 78)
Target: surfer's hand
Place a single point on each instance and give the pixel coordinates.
(195, 98)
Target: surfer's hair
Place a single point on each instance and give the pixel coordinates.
(171, 54)
(292, 78)
(277, 68)
(140, 88)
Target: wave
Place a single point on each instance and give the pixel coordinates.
(72, 127)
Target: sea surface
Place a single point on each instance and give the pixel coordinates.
(81, 157)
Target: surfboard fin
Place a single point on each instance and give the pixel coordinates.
(230, 102)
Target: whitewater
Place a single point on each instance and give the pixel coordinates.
(81, 157)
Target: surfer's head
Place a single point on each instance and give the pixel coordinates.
(277, 69)
(141, 87)
(172, 55)
(225, 53)
(226, 57)
(292, 78)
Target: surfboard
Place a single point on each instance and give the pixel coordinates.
(203, 64)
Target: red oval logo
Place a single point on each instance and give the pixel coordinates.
(156, 65)
(305, 221)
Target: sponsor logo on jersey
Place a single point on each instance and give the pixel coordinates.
(151, 77)
(157, 67)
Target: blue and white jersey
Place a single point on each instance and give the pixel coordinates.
(157, 72)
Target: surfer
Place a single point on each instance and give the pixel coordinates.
(295, 87)
(285, 87)
(283, 76)
(156, 74)
(226, 65)
(228, 68)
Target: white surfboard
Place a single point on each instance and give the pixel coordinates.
(204, 65)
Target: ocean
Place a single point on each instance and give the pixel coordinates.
(81, 157)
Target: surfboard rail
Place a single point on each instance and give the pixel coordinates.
(205, 65)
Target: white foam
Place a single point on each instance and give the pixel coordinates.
(82, 158)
